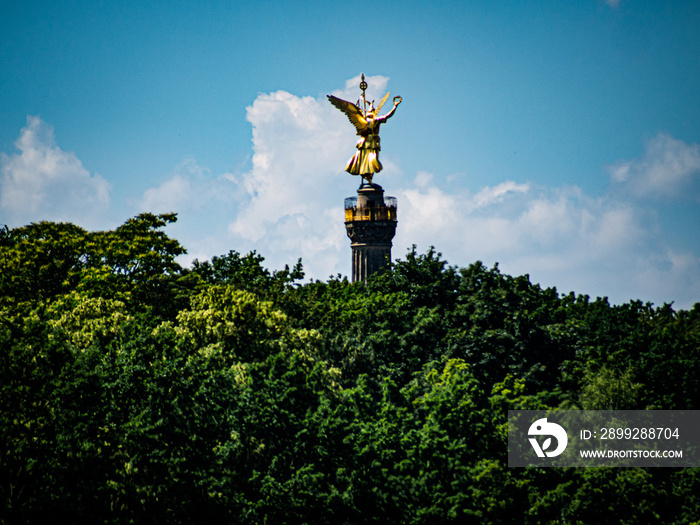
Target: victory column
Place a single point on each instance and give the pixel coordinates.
(370, 218)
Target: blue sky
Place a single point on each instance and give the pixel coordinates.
(559, 139)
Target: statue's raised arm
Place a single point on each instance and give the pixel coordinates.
(365, 162)
(397, 101)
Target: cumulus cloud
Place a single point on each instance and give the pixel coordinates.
(172, 194)
(204, 204)
(492, 195)
(289, 205)
(561, 237)
(295, 189)
(669, 168)
(515, 221)
(43, 182)
(300, 145)
(190, 189)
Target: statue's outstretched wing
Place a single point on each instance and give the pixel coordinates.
(381, 103)
(351, 110)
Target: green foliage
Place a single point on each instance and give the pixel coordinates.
(607, 389)
(247, 273)
(224, 320)
(134, 390)
(136, 262)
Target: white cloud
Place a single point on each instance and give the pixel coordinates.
(669, 168)
(559, 236)
(191, 188)
(43, 182)
(204, 204)
(289, 205)
(295, 189)
(497, 193)
(173, 194)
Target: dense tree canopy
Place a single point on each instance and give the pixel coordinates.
(136, 390)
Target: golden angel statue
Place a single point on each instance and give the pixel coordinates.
(365, 162)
